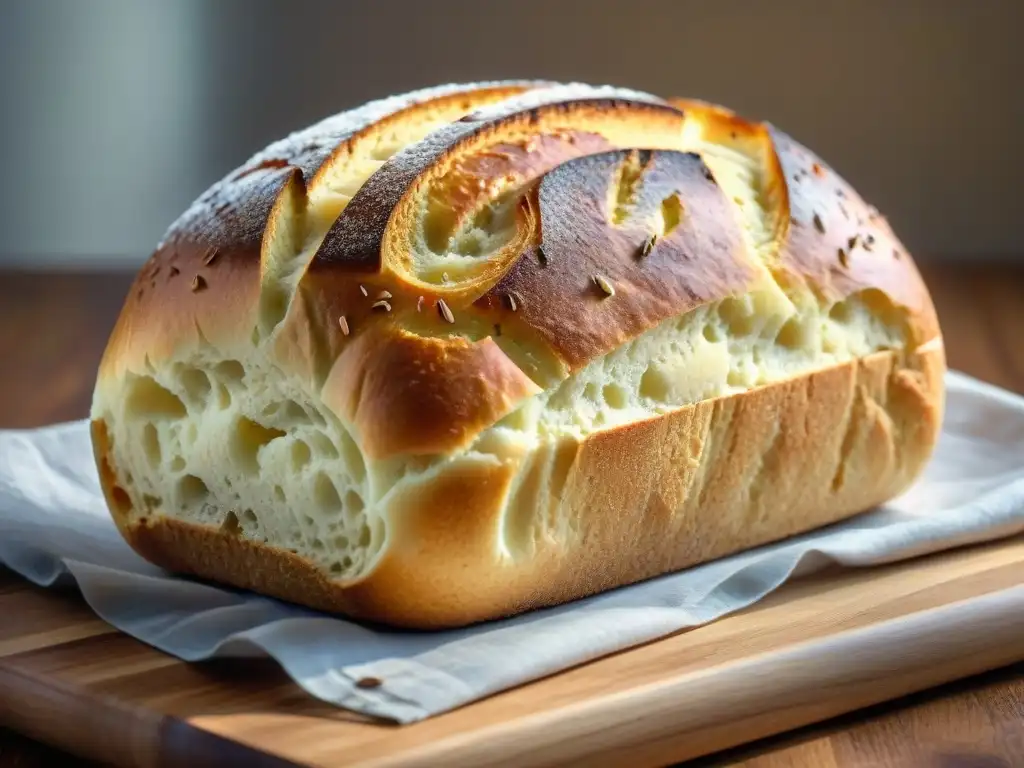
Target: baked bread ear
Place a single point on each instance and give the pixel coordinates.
(478, 349)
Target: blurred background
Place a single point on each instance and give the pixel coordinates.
(118, 113)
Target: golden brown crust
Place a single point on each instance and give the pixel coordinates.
(828, 237)
(373, 231)
(408, 394)
(711, 479)
(203, 278)
(841, 245)
(235, 211)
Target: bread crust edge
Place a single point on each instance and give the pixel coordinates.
(707, 480)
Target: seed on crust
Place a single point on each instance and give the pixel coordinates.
(512, 303)
(419, 304)
(819, 224)
(198, 283)
(445, 311)
(344, 324)
(648, 246)
(381, 305)
(542, 257)
(383, 295)
(211, 256)
(606, 287)
(843, 259)
(362, 290)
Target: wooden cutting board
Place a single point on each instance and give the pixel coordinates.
(819, 647)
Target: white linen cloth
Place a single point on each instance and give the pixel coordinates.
(54, 526)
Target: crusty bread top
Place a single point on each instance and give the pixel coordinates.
(428, 261)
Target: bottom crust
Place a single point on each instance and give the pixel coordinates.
(638, 501)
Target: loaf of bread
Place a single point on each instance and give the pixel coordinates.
(478, 349)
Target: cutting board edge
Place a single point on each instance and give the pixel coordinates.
(592, 722)
(179, 740)
(191, 733)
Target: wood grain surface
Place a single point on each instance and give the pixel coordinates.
(52, 333)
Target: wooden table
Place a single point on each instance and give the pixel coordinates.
(54, 327)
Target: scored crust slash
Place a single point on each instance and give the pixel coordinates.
(477, 349)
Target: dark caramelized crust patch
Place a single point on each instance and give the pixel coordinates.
(608, 264)
(387, 202)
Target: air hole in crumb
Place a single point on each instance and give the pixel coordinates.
(249, 517)
(364, 536)
(592, 393)
(737, 316)
(353, 502)
(793, 334)
(231, 525)
(279, 494)
(273, 305)
(615, 395)
(151, 445)
(151, 503)
(654, 384)
(247, 438)
(192, 491)
(293, 414)
(177, 464)
(223, 397)
(196, 385)
(841, 312)
(300, 455)
(146, 399)
(229, 370)
(323, 446)
(315, 417)
(325, 495)
(341, 542)
(318, 545)
(563, 460)
(671, 213)
(712, 334)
